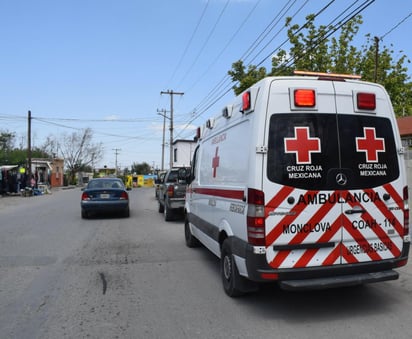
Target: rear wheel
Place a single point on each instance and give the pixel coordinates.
(126, 213)
(161, 207)
(85, 215)
(230, 275)
(168, 213)
(191, 240)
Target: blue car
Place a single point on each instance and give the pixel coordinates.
(105, 195)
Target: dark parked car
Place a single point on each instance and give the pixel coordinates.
(105, 195)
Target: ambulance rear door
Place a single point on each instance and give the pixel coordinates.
(322, 207)
(371, 175)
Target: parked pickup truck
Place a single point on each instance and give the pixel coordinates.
(172, 191)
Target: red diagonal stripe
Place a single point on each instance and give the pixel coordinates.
(287, 220)
(274, 203)
(383, 208)
(309, 254)
(317, 217)
(395, 196)
(331, 258)
(359, 238)
(377, 229)
(349, 257)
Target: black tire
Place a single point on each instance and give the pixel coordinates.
(191, 240)
(85, 215)
(228, 270)
(168, 213)
(126, 213)
(161, 207)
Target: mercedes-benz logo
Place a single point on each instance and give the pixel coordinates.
(341, 179)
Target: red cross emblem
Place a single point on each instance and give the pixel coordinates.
(370, 144)
(302, 145)
(215, 162)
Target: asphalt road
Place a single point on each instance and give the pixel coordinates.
(65, 277)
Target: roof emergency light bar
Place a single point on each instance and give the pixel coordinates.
(328, 75)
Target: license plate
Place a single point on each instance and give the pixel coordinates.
(105, 196)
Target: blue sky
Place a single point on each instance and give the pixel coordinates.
(103, 63)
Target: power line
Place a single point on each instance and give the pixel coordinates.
(190, 40)
(396, 26)
(226, 46)
(206, 42)
(210, 99)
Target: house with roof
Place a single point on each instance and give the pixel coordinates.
(405, 130)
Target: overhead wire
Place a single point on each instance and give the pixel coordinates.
(205, 42)
(348, 17)
(226, 81)
(190, 40)
(396, 26)
(242, 24)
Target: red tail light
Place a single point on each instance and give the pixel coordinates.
(405, 211)
(366, 101)
(256, 217)
(85, 196)
(124, 196)
(171, 191)
(305, 98)
(246, 101)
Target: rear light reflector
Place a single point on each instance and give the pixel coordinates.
(85, 196)
(124, 196)
(171, 191)
(256, 218)
(305, 98)
(366, 101)
(405, 211)
(402, 263)
(246, 101)
(269, 276)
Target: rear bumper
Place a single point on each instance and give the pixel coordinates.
(338, 281)
(318, 277)
(105, 206)
(176, 203)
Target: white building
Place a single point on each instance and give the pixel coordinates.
(183, 152)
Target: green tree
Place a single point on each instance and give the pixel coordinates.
(318, 49)
(16, 156)
(245, 78)
(392, 74)
(6, 146)
(143, 168)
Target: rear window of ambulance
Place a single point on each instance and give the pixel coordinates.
(308, 151)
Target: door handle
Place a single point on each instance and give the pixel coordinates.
(355, 210)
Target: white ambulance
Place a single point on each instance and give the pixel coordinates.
(301, 181)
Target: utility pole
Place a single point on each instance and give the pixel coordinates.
(116, 152)
(376, 58)
(171, 93)
(29, 148)
(162, 112)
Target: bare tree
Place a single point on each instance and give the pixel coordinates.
(79, 151)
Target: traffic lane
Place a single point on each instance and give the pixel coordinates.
(140, 280)
(39, 234)
(184, 299)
